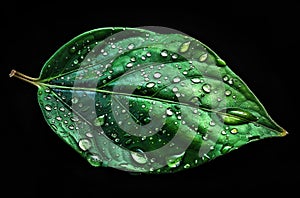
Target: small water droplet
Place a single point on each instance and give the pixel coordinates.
(71, 127)
(164, 53)
(175, 89)
(62, 109)
(187, 166)
(203, 57)
(74, 100)
(48, 107)
(130, 64)
(212, 123)
(84, 144)
(220, 62)
(99, 121)
(132, 59)
(174, 56)
(58, 118)
(184, 47)
(174, 160)
(139, 156)
(157, 75)
(75, 61)
(169, 112)
(148, 54)
(225, 78)
(227, 92)
(195, 80)
(130, 46)
(176, 79)
(150, 84)
(234, 131)
(206, 88)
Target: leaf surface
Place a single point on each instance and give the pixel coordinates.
(142, 101)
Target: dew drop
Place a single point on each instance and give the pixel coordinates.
(203, 57)
(187, 166)
(58, 118)
(157, 75)
(195, 80)
(62, 109)
(75, 61)
(150, 84)
(206, 88)
(164, 53)
(234, 131)
(99, 121)
(48, 107)
(139, 156)
(130, 64)
(184, 47)
(175, 89)
(148, 54)
(174, 56)
(227, 92)
(225, 78)
(74, 100)
(84, 144)
(174, 160)
(130, 46)
(169, 112)
(176, 79)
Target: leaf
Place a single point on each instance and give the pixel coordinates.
(142, 101)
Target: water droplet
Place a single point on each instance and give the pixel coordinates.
(234, 116)
(99, 121)
(94, 160)
(157, 75)
(75, 61)
(148, 54)
(150, 84)
(225, 78)
(206, 88)
(175, 89)
(74, 100)
(62, 109)
(130, 64)
(132, 59)
(184, 47)
(234, 131)
(139, 156)
(58, 118)
(48, 107)
(174, 56)
(187, 166)
(164, 53)
(195, 80)
(227, 92)
(203, 57)
(169, 112)
(130, 46)
(212, 123)
(71, 127)
(176, 79)
(226, 149)
(84, 144)
(174, 160)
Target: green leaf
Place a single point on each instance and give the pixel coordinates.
(143, 101)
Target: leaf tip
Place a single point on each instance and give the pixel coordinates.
(284, 133)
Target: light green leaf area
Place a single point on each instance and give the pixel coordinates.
(143, 101)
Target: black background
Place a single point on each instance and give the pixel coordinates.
(258, 42)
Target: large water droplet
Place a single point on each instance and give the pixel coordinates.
(236, 116)
(74, 100)
(150, 84)
(184, 47)
(94, 160)
(99, 121)
(139, 156)
(206, 88)
(174, 160)
(84, 144)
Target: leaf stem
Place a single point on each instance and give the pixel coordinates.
(24, 77)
